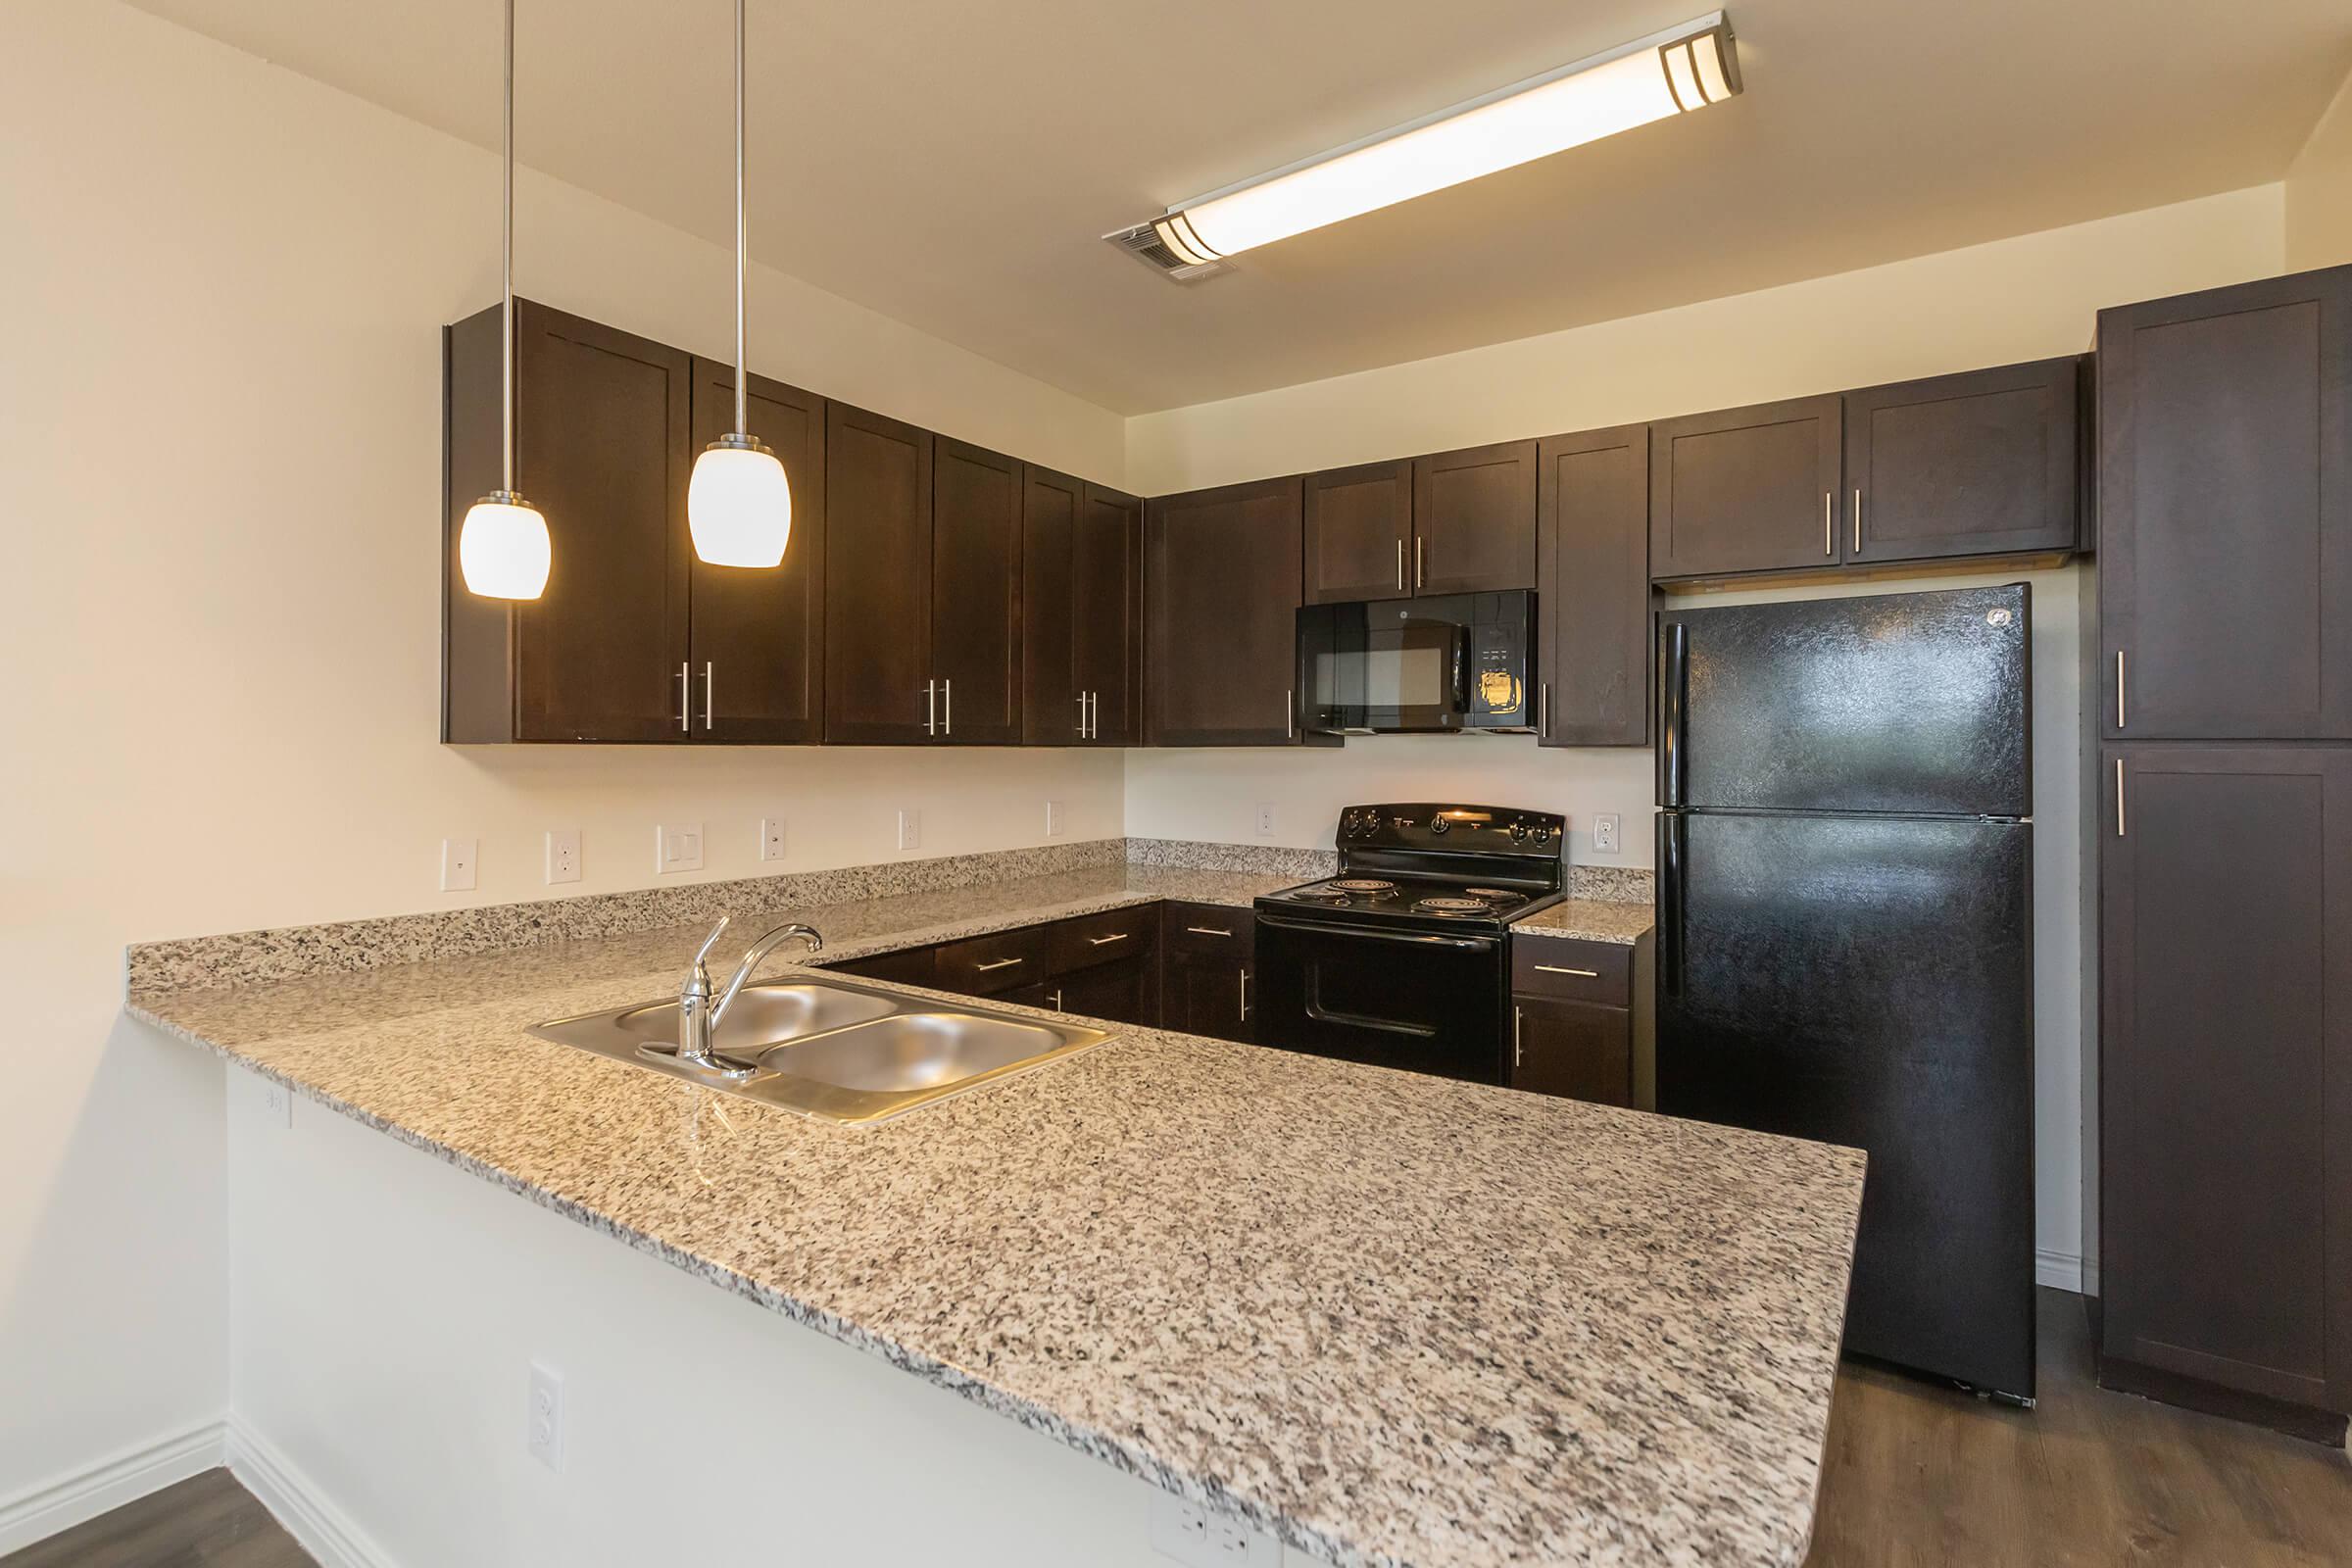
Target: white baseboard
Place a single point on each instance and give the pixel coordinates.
(2063, 1270)
(124, 1477)
(324, 1530)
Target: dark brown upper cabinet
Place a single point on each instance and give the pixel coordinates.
(1081, 612)
(2225, 484)
(1222, 589)
(880, 686)
(976, 594)
(1977, 464)
(603, 447)
(1593, 589)
(757, 644)
(2225, 1079)
(1746, 489)
(1359, 533)
(1474, 519)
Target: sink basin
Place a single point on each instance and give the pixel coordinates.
(831, 1049)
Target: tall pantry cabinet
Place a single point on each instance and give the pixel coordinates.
(2218, 1192)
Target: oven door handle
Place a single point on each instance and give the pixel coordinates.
(1360, 1020)
(1318, 928)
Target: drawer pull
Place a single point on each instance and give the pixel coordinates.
(998, 963)
(1207, 931)
(1553, 968)
(1103, 942)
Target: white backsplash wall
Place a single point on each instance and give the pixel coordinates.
(1215, 794)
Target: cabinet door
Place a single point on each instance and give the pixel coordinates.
(2226, 512)
(976, 594)
(1474, 519)
(1106, 637)
(1572, 1049)
(877, 578)
(1050, 504)
(1205, 995)
(1745, 489)
(1973, 464)
(1222, 580)
(1359, 533)
(2226, 1066)
(1593, 589)
(602, 436)
(758, 657)
(1124, 991)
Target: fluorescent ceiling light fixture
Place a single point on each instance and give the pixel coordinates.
(1657, 78)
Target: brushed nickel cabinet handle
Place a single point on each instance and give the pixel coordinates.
(1245, 993)
(1829, 524)
(998, 963)
(947, 708)
(931, 708)
(1057, 998)
(1518, 1038)
(1420, 565)
(1553, 968)
(1857, 519)
(2119, 798)
(1104, 942)
(1207, 931)
(1290, 707)
(710, 700)
(1401, 566)
(686, 698)
(1094, 715)
(1082, 715)
(1544, 725)
(2118, 688)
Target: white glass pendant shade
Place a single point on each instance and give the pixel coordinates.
(501, 548)
(739, 504)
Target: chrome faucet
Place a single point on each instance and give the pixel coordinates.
(699, 1016)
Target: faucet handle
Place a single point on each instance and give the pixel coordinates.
(712, 941)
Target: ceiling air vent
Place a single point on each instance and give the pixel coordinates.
(1142, 242)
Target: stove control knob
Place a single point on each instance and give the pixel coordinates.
(1519, 833)
(1439, 824)
(1543, 833)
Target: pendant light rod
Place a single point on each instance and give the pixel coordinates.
(743, 234)
(506, 277)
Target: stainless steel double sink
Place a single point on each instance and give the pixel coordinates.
(832, 1049)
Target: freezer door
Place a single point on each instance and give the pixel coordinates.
(1869, 981)
(1898, 703)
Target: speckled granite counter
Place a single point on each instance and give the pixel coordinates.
(1590, 920)
(1389, 1319)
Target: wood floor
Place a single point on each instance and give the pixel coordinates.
(1917, 1477)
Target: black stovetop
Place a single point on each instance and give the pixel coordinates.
(1435, 868)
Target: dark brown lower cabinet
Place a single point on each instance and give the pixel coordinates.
(914, 966)
(2224, 1227)
(1207, 958)
(1583, 1025)
(1125, 991)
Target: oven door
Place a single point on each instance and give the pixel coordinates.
(1394, 999)
(1400, 665)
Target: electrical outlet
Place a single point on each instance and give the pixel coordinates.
(1604, 833)
(1191, 1534)
(910, 830)
(771, 838)
(1052, 819)
(1265, 821)
(277, 1104)
(543, 1439)
(678, 846)
(459, 858)
(562, 855)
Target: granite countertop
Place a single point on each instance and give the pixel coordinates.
(1590, 920)
(1392, 1320)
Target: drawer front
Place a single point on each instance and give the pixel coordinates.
(990, 965)
(1572, 971)
(1209, 930)
(916, 966)
(1092, 939)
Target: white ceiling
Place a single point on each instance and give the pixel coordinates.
(952, 164)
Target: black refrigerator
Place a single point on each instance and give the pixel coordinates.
(1845, 936)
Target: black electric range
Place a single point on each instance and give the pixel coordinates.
(1401, 959)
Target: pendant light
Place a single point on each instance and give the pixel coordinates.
(739, 504)
(503, 547)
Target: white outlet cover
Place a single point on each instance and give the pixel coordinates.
(1604, 833)
(1191, 1534)
(460, 864)
(1265, 821)
(677, 847)
(910, 830)
(543, 1431)
(1052, 819)
(771, 838)
(278, 1103)
(562, 855)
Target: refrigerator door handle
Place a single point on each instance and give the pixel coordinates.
(1671, 828)
(1673, 680)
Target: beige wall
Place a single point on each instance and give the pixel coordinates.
(220, 462)
(2020, 299)
(2318, 191)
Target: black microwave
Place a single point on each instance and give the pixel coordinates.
(1449, 661)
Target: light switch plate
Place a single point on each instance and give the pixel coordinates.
(562, 855)
(460, 860)
(543, 1439)
(910, 830)
(1052, 819)
(678, 846)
